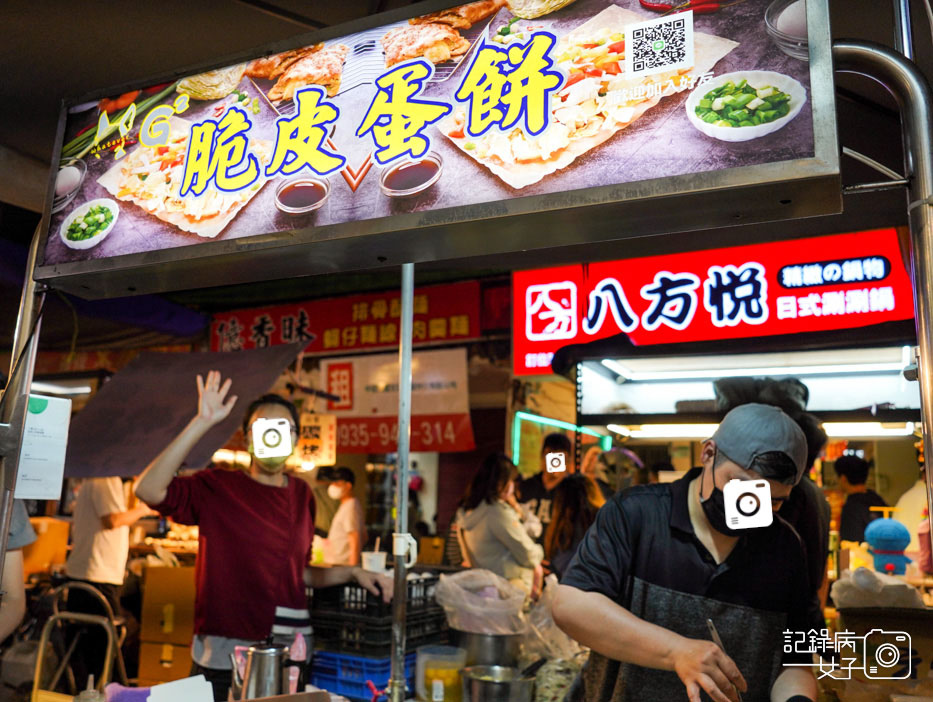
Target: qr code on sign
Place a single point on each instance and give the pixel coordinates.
(659, 45)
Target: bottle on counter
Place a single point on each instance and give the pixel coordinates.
(90, 694)
(832, 572)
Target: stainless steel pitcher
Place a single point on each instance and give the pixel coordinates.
(265, 674)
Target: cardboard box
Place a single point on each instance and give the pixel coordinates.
(162, 662)
(431, 550)
(916, 623)
(50, 547)
(168, 605)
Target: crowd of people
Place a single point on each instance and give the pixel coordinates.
(646, 562)
(643, 564)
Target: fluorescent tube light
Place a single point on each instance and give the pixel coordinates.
(666, 431)
(712, 374)
(834, 430)
(56, 389)
(842, 430)
(605, 441)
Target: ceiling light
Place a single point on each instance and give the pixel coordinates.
(712, 374)
(58, 389)
(834, 430)
(846, 430)
(666, 431)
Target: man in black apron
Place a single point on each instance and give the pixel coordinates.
(661, 560)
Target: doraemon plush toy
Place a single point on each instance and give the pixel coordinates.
(887, 539)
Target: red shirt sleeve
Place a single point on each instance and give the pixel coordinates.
(183, 500)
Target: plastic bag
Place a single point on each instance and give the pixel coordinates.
(866, 588)
(544, 639)
(481, 602)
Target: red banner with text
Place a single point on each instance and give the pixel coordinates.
(842, 281)
(443, 313)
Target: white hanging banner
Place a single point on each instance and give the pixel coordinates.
(368, 406)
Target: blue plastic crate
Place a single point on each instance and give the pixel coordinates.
(347, 675)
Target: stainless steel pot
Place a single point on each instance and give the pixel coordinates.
(265, 674)
(495, 683)
(488, 649)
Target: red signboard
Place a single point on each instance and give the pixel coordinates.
(443, 313)
(441, 433)
(824, 283)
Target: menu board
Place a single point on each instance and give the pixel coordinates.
(547, 98)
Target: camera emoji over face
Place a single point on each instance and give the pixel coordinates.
(748, 504)
(272, 438)
(555, 462)
(887, 655)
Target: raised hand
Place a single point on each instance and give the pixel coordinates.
(213, 408)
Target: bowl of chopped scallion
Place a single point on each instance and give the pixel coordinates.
(745, 105)
(88, 224)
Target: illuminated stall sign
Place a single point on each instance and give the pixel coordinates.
(443, 313)
(387, 124)
(744, 291)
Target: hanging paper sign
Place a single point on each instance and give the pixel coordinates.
(42, 455)
(318, 441)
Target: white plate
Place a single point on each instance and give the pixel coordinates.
(758, 79)
(81, 211)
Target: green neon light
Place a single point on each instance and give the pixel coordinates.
(605, 441)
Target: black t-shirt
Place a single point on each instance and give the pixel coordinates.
(531, 491)
(643, 554)
(857, 514)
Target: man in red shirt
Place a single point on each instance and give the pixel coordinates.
(255, 534)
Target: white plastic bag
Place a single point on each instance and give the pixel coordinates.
(544, 639)
(866, 588)
(481, 602)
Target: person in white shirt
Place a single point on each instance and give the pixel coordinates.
(100, 545)
(347, 533)
(910, 508)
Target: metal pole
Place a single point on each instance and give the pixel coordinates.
(16, 394)
(910, 88)
(399, 601)
(903, 37)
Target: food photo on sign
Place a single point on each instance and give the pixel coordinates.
(521, 98)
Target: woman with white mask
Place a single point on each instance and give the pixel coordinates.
(347, 533)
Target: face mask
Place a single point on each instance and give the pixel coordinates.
(271, 466)
(714, 507)
(334, 492)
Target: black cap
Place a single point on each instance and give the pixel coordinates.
(343, 473)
